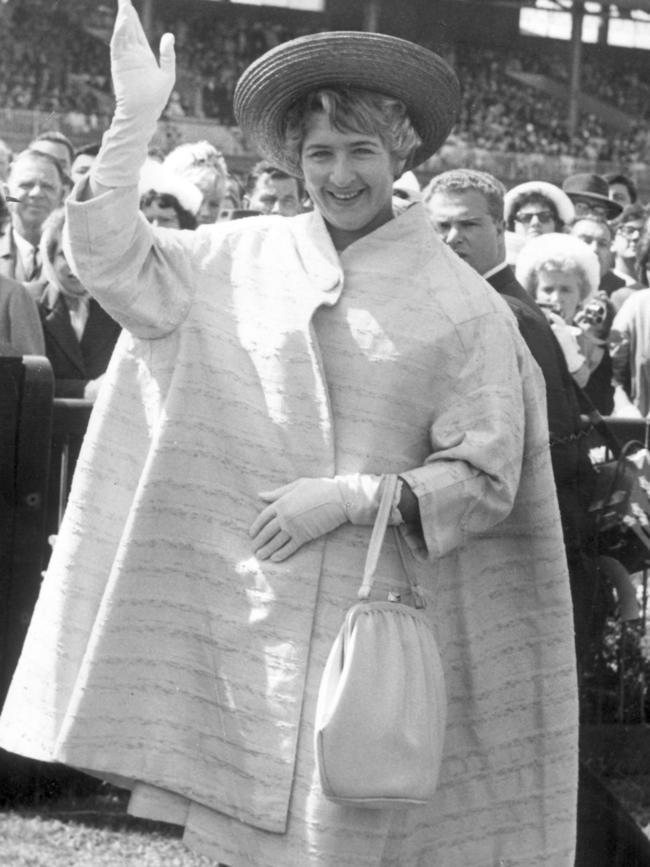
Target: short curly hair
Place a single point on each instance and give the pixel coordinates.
(557, 251)
(352, 109)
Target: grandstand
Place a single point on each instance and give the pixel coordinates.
(516, 116)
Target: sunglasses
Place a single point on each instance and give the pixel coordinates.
(542, 216)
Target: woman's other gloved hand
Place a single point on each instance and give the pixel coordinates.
(308, 508)
(142, 88)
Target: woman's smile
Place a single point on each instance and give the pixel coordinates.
(349, 177)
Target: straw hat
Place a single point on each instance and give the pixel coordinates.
(424, 82)
(563, 204)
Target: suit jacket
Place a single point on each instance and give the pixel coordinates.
(8, 254)
(11, 264)
(610, 282)
(74, 362)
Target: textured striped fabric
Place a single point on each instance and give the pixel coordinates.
(163, 655)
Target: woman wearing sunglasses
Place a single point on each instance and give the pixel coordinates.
(536, 208)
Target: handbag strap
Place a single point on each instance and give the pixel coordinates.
(377, 540)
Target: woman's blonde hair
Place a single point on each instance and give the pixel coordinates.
(353, 110)
(557, 251)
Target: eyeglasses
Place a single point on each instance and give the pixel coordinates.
(584, 207)
(629, 231)
(542, 216)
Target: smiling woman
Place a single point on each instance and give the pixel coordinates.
(351, 146)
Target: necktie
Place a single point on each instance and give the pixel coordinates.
(79, 316)
(36, 265)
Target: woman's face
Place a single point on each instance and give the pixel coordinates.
(159, 215)
(70, 283)
(534, 218)
(349, 177)
(561, 290)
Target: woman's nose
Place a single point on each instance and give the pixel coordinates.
(342, 171)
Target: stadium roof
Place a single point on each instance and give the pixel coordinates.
(628, 5)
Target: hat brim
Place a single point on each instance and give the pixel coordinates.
(422, 80)
(612, 209)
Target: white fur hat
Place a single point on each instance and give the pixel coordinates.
(155, 176)
(556, 247)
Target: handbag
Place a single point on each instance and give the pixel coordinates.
(382, 706)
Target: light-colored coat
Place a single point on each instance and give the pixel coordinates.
(162, 652)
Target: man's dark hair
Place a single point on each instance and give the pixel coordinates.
(628, 183)
(635, 211)
(89, 150)
(186, 220)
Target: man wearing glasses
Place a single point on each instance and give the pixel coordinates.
(627, 231)
(590, 196)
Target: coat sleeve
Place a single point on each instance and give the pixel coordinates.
(492, 409)
(21, 325)
(143, 277)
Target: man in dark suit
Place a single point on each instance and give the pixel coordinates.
(79, 334)
(466, 208)
(78, 363)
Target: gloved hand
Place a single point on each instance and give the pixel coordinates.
(308, 508)
(91, 389)
(142, 89)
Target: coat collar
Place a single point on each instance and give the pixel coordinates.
(325, 265)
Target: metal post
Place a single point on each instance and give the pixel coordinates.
(577, 16)
(372, 10)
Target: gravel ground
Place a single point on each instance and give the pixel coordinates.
(95, 831)
(90, 835)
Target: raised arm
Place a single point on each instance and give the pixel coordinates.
(142, 87)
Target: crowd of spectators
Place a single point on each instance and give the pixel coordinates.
(48, 64)
(500, 111)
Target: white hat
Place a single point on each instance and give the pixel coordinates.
(562, 202)
(557, 246)
(407, 182)
(154, 176)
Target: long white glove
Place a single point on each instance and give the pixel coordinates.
(309, 508)
(142, 89)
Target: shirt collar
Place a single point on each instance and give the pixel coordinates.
(25, 251)
(492, 271)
